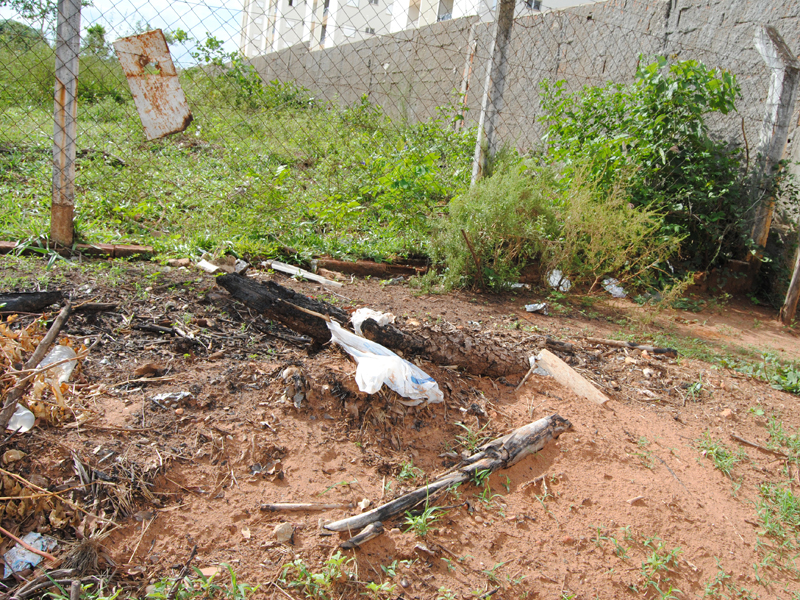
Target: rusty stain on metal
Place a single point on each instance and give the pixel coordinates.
(153, 81)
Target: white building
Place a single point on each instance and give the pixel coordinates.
(272, 25)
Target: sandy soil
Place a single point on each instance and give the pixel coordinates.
(626, 504)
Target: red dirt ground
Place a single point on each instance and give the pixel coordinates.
(624, 505)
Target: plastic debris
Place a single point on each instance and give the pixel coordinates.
(295, 385)
(170, 399)
(19, 558)
(62, 372)
(536, 369)
(558, 281)
(540, 307)
(378, 365)
(22, 420)
(613, 287)
(362, 314)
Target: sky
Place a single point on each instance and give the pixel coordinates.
(197, 17)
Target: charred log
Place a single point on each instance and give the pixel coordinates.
(282, 304)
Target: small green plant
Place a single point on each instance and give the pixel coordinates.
(378, 591)
(422, 523)
(297, 574)
(491, 574)
(409, 472)
(201, 586)
(446, 594)
(89, 591)
(694, 389)
(480, 476)
(656, 569)
(723, 457)
(471, 439)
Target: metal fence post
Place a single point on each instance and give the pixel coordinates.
(65, 129)
(492, 103)
(783, 84)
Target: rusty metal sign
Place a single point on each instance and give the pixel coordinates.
(153, 81)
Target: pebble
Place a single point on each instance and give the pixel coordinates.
(284, 532)
(179, 411)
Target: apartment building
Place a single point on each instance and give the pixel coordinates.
(272, 25)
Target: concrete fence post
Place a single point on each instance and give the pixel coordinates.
(492, 103)
(68, 37)
(784, 79)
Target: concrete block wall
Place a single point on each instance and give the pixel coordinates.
(412, 72)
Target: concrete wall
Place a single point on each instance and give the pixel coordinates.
(412, 72)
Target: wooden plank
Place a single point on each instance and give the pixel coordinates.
(65, 128)
(570, 378)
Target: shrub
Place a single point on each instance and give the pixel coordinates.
(507, 219)
(522, 215)
(603, 233)
(653, 135)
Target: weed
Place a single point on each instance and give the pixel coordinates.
(491, 574)
(656, 568)
(91, 591)
(317, 585)
(471, 439)
(723, 458)
(330, 487)
(446, 594)
(421, 524)
(204, 587)
(480, 476)
(780, 439)
(408, 471)
(391, 569)
(377, 591)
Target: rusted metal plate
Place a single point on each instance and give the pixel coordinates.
(154, 83)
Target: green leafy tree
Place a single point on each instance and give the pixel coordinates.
(19, 37)
(94, 42)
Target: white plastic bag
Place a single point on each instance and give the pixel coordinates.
(378, 365)
(362, 314)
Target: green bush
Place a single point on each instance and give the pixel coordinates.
(652, 135)
(523, 215)
(508, 219)
(604, 234)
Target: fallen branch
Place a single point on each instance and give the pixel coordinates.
(497, 454)
(757, 446)
(307, 317)
(620, 344)
(296, 506)
(281, 304)
(10, 404)
(475, 355)
(570, 378)
(369, 532)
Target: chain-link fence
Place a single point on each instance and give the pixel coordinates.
(297, 83)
